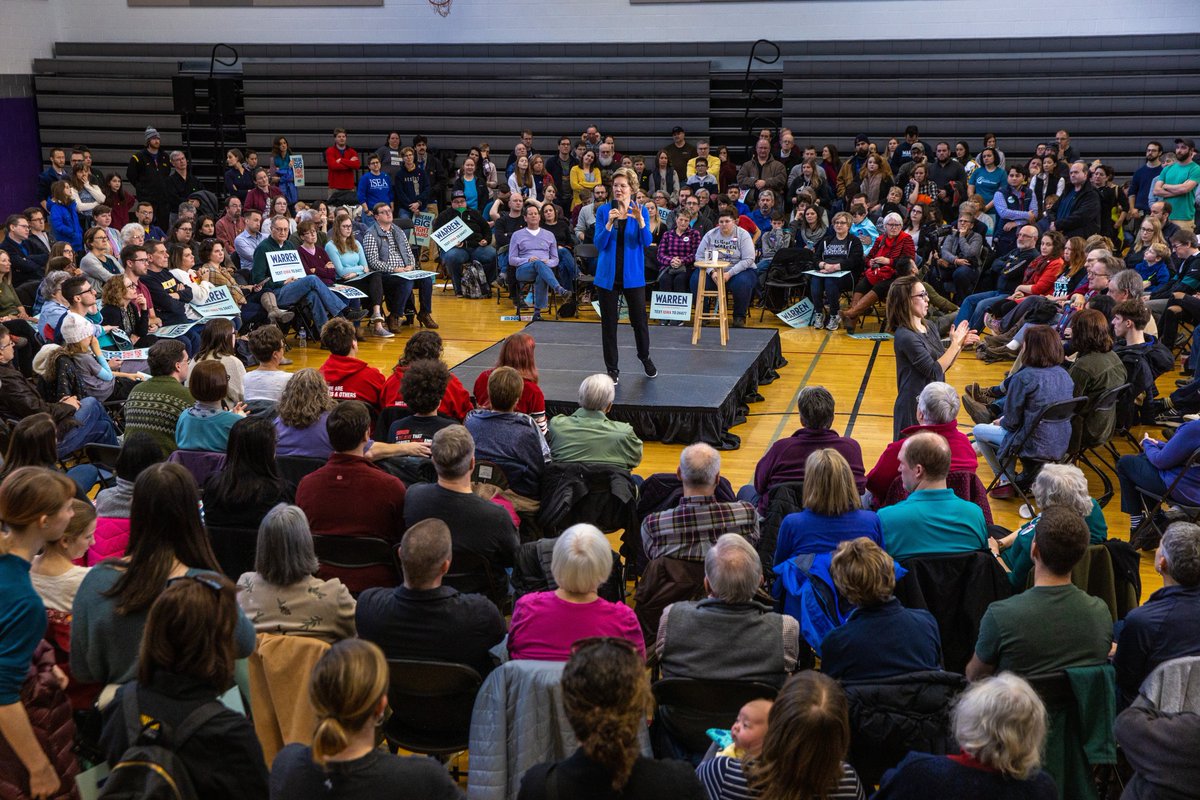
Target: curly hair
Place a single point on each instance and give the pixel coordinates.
(305, 398)
(424, 385)
(606, 696)
(422, 345)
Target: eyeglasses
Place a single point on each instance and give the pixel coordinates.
(1097, 273)
(205, 578)
(595, 641)
(921, 294)
(7, 344)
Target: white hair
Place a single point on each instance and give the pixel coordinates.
(128, 232)
(597, 392)
(733, 569)
(1063, 485)
(699, 465)
(582, 559)
(1001, 721)
(938, 403)
(893, 217)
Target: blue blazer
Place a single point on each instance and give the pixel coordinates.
(636, 242)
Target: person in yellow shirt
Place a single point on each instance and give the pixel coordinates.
(702, 151)
(584, 177)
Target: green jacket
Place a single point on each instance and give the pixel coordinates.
(591, 436)
(260, 271)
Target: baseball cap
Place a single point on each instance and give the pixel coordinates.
(676, 130)
(1191, 143)
(74, 329)
(918, 147)
(458, 193)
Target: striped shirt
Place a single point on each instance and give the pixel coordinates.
(724, 779)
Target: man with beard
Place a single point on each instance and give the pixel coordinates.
(951, 181)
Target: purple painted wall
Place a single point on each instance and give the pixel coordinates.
(20, 160)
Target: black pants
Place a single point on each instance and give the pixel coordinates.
(1168, 326)
(610, 300)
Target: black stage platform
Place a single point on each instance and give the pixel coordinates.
(700, 393)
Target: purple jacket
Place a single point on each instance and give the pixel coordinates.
(784, 461)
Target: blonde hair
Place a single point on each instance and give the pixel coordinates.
(1001, 721)
(829, 487)
(345, 689)
(629, 175)
(305, 398)
(862, 572)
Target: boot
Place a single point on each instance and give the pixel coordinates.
(393, 323)
(859, 305)
(270, 304)
(426, 320)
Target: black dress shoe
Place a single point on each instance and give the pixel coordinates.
(651, 370)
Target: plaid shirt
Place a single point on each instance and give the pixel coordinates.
(688, 530)
(672, 245)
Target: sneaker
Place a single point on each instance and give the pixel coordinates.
(976, 410)
(834, 322)
(528, 299)
(562, 291)
(739, 322)
(355, 314)
(818, 321)
(616, 376)
(651, 370)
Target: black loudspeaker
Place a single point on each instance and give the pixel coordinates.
(183, 94)
(222, 96)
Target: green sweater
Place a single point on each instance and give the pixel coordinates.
(260, 271)
(154, 406)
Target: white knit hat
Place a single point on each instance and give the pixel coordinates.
(75, 328)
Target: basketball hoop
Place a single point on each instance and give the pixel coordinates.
(442, 7)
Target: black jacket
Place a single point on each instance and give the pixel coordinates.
(580, 778)
(18, 399)
(479, 228)
(1083, 218)
(170, 310)
(148, 173)
(28, 264)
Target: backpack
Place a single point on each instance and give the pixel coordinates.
(474, 281)
(788, 266)
(150, 768)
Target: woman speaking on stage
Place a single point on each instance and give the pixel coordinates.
(622, 236)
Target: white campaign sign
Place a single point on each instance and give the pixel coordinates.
(220, 303)
(140, 354)
(671, 306)
(416, 274)
(348, 292)
(817, 273)
(175, 331)
(285, 265)
(798, 315)
(450, 234)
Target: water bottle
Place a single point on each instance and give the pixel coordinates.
(303, 338)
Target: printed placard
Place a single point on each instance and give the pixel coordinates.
(297, 163)
(817, 273)
(285, 265)
(517, 318)
(348, 292)
(797, 316)
(219, 303)
(450, 234)
(416, 274)
(422, 224)
(671, 306)
(175, 331)
(141, 354)
(872, 337)
(120, 335)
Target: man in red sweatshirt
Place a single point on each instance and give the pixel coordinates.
(349, 377)
(343, 163)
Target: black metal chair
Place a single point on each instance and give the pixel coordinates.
(1148, 533)
(293, 468)
(694, 705)
(431, 704)
(1105, 404)
(1061, 411)
(365, 556)
(104, 457)
(471, 573)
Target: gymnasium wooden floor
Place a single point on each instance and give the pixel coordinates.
(861, 375)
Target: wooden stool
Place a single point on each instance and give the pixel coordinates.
(702, 293)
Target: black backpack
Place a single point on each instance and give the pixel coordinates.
(788, 266)
(150, 768)
(474, 281)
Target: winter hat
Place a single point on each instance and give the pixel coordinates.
(151, 133)
(75, 328)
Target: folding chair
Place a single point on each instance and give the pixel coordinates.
(431, 704)
(1061, 411)
(1148, 534)
(1106, 403)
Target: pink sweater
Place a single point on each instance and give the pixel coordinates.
(545, 626)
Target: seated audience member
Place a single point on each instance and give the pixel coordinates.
(348, 689)
(881, 638)
(155, 406)
(932, 520)
(507, 437)
(517, 352)
(1056, 485)
(606, 696)
(218, 343)
(139, 451)
(1160, 747)
(248, 486)
(545, 625)
(56, 578)
(689, 529)
(323, 493)
(423, 387)
(784, 461)
(1167, 625)
(1000, 726)
(268, 349)
(186, 662)
(728, 636)
(32, 442)
(589, 435)
(78, 421)
(427, 345)
(476, 525)
(1156, 468)
(283, 595)
(1055, 624)
(937, 412)
(832, 511)
(348, 376)
(35, 510)
(810, 716)
(166, 540)
(206, 425)
(303, 408)
(425, 619)
(76, 370)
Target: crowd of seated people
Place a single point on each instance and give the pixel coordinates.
(119, 606)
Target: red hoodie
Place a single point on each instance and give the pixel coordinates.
(352, 378)
(455, 403)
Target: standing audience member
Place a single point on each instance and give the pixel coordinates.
(185, 663)
(35, 509)
(348, 690)
(283, 595)
(424, 618)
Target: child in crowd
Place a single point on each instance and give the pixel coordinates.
(745, 739)
(1153, 267)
